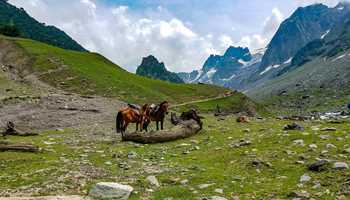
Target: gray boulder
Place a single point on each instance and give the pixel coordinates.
(109, 190)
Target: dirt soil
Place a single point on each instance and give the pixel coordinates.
(44, 107)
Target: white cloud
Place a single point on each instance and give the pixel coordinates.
(270, 26)
(225, 41)
(123, 36)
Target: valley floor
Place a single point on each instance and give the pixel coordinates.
(257, 160)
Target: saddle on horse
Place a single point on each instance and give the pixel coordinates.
(135, 107)
(154, 109)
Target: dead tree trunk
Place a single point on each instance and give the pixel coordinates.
(7, 146)
(183, 130)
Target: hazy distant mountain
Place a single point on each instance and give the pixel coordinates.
(152, 68)
(28, 27)
(227, 70)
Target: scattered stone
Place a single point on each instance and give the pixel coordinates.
(108, 163)
(331, 146)
(109, 190)
(313, 146)
(153, 181)
(219, 190)
(299, 195)
(203, 186)
(340, 165)
(184, 182)
(293, 126)
(132, 155)
(318, 166)
(260, 163)
(329, 129)
(324, 137)
(299, 142)
(305, 178)
(241, 143)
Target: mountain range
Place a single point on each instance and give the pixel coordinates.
(307, 55)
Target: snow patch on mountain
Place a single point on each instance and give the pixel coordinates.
(325, 34)
(339, 57)
(228, 79)
(269, 68)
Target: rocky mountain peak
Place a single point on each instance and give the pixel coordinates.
(152, 68)
(238, 53)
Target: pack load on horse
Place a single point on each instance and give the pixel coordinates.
(157, 112)
(131, 114)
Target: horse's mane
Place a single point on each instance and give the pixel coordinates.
(164, 102)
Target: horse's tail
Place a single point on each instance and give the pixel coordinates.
(119, 122)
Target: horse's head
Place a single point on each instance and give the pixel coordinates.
(164, 106)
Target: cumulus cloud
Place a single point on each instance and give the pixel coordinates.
(122, 36)
(270, 26)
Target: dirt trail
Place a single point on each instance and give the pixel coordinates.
(200, 101)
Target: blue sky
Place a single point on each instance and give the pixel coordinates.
(181, 33)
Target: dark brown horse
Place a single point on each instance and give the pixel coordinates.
(157, 113)
(131, 115)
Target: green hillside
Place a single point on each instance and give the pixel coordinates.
(92, 74)
(28, 27)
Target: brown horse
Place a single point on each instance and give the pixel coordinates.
(131, 115)
(157, 113)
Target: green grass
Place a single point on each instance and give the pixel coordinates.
(92, 74)
(214, 162)
(233, 104)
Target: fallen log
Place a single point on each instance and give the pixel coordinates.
(7, 146)
(182, 130)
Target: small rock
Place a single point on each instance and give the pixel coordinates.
(301, 195)
(324, 137)
(219, 190)
(313, 146)
(153, 181)
(293, 126)
(241, 143)
(108, 163)
(331, 146)
(318, 166)
(184, 182)
(203, 186)
(132, 155)
(108, 190)
(340, 165)
(299, 142)
(305, 178)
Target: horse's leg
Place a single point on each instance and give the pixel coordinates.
(157, 125)
(137, 127)
(161, 124)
